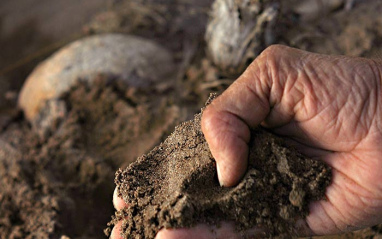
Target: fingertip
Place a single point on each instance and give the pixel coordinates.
(232, 165)
(208, 118)
(182, 234)
(116, 232)
(169, 234)
(225, 230)
(200, 231)
(302, 228)
(117, 201)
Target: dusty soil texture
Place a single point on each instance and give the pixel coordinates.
(55, 173)
(56, 176)
(354, 32)
(175, 185)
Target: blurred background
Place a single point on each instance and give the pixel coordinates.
(30, 30)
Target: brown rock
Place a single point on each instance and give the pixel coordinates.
(137, 61)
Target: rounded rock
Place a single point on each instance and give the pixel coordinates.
(238, 31)
(139, 62)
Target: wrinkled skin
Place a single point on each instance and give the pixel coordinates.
(329, 107)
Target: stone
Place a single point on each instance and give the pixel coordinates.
(139, 62)
(238, 31)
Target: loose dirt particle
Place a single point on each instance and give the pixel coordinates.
(175, 185)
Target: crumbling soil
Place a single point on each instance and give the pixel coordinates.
(175, 185)
(56, 176)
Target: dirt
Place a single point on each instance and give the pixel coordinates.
(57, 181)
(175, 185)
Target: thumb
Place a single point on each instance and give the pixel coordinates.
(227, 120)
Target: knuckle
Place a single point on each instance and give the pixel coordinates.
(207, 119)
(274, 51)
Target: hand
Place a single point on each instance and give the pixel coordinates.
(329, 107)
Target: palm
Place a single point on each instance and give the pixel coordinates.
(337, 119)
(352, 198)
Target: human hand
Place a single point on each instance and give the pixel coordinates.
(328, 107)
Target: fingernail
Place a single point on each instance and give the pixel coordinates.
(221, 182)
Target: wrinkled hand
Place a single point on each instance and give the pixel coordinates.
(329, 107)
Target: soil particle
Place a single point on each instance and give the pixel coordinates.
(29, 211)
(120, 122)
(175, 185)
(56, 178)
(51, 184)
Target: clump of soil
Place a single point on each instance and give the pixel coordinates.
(56, 176)
(175, 185)
(120, 122)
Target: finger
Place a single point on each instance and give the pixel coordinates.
(228, 138)
(360, 175)
(349, 205)
(116, 232)
(335, 214)
(202, 231)
(226, 122)
(117, 201)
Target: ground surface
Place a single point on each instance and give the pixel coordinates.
(59, 181)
